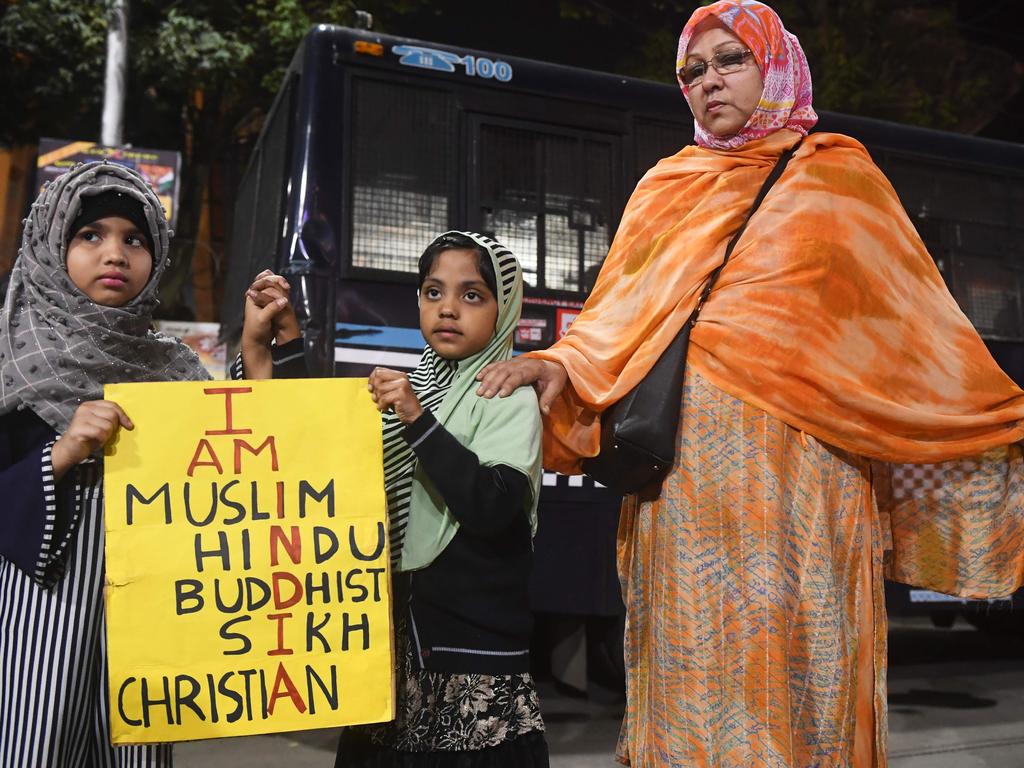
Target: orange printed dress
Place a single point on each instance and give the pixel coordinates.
(829, 356)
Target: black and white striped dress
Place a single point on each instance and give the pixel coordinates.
(54, 705)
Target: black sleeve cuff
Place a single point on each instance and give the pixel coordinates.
(289, 359)
(419, 429)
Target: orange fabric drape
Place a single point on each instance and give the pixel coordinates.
(830, 315)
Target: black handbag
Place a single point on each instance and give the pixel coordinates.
(639, 432)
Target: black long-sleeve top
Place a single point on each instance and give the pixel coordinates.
(469, 609)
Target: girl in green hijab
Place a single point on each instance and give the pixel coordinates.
(462, 475)
(462, 479)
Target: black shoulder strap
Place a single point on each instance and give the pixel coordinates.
(780, 166)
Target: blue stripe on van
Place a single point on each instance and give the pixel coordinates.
(381, 337)
(353, 335)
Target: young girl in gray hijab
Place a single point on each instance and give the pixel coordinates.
(76, 316)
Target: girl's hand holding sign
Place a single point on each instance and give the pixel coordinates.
(93, 425)
(392, 390)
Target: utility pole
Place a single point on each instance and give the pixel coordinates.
(112, 129)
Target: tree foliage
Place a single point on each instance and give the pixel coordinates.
(203, 72)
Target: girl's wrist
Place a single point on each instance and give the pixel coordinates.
(287, 334)
(412, 414)
(60, 462)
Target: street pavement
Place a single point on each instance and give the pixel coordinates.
(956, 700)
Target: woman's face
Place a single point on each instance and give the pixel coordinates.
(109, 262)
(722, 104)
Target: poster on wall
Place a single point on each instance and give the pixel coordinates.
(201, 338)
(161, 168)
(247, 580)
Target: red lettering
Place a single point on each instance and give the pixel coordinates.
(280, 500)
(240, 444)
(204, 444)
(276, 578)
(280, 650)
(292, 546)
(282, 680)
(228, 392)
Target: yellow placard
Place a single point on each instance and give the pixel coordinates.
(248, 588)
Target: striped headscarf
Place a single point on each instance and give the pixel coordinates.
(57, 346)
(499, 431)
(786, 100)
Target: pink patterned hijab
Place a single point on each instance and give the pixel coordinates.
(786, 101)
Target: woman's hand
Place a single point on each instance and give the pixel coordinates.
(547, 377)
(93, 426)
(391, 389)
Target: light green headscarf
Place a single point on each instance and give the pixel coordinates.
(502, 430)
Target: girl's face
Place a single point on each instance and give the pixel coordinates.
(109, 262)
(458, 312)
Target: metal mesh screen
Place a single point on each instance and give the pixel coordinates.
(509, 192)
(256, 227)
(951, 193)
(962, 216)
(988, 266)
(272, 183)
(403, 172)
(548, 198)
(654, 139)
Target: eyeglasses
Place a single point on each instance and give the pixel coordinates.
(724, 62)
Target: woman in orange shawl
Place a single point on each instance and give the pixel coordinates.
(829, 356)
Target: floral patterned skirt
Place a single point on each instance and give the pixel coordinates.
(445, 719)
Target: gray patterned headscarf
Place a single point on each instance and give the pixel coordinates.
(58, 347)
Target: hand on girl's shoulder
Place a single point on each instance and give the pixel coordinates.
(522, 403)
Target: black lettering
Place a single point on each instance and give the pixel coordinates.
(377, 573)
(346, 629)
(221, 604)
(323, 588)
(234, 715)
(120, 703)
(148, 702)
(246, 674)
(186, 699)
(330, 694)
(255, 603)
(355, 548)
(212, 688)
(232, 504)
(305, 489)
(131, 495)
(227, 634)
(223, 552)
(314, 631)
(255, 511)
(188, 506)
(194, 587)
(246, 564)
(319, 553)
(361, 592)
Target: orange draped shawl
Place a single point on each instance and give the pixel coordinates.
(830, 316)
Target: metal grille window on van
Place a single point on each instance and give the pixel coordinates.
(548, 198)
(403, 181)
